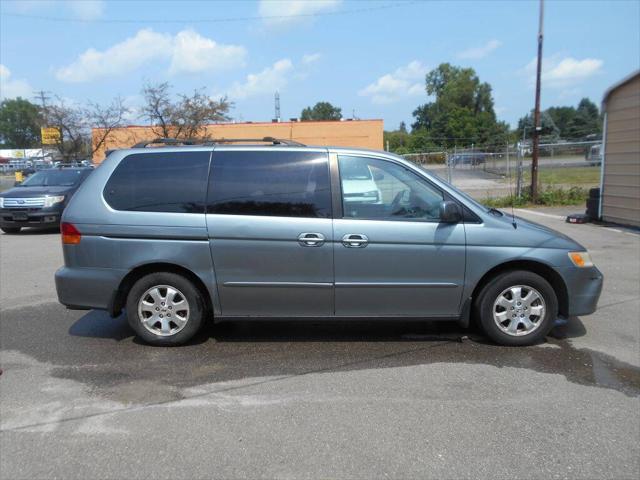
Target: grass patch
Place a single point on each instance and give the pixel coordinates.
(565, 176)
(549, 197)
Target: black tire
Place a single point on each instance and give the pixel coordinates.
(10, 230)
(186, 288)
(494, 288)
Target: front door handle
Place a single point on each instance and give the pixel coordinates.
(311, 239)
(355, 240)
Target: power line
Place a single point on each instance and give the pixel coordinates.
(212, 20)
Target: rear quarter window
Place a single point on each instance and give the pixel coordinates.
(160, 182)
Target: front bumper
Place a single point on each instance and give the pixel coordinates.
(584, 286)
(30, 218)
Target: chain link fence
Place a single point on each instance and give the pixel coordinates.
(504, 171)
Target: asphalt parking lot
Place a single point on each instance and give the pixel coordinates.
(81, 398)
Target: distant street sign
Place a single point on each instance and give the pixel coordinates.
(50, 135)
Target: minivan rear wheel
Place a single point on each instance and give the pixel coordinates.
(165, 309)
(517, 308)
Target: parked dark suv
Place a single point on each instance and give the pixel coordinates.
(40, 199)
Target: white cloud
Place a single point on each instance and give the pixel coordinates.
(309, 58)
(563, 72)
(268, 81)
(476, 53)
(13, 88)
(404, 82)
(125, 56)
(187, 51)
(194, 53)
(281, 12)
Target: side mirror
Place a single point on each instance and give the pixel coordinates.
(450, 212)
(378, 176)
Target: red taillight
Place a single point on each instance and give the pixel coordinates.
(70, 234)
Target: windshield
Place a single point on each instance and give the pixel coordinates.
(53, 178)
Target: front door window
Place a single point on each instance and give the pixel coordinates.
(374, 189)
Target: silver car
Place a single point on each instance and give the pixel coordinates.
(179, 236)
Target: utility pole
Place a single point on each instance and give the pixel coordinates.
(536, 112)
(43, 98)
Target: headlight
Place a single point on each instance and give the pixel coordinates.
(51, 201)
(581, 259)
(1, 202)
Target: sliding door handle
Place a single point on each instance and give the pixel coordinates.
(355, 240)
(311, 239)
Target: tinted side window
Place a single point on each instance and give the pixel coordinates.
(376, 189)
(159, 182)
(277, 183)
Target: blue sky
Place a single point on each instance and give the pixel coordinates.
(364, 56)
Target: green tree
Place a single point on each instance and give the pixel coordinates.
(396, 139)
(321, 111)
(19, 123)
(562, 117)
(550, 132)
(585, 122)
(569, 123)
(462, 112)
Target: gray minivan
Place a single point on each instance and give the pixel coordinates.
(180, 235)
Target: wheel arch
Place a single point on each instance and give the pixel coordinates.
(545, 271)
(120, 295)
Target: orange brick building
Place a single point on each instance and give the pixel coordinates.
(349, 133)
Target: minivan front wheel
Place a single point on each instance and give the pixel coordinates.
(517, 308)
(165, 309)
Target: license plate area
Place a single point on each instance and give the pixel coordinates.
(20, 217)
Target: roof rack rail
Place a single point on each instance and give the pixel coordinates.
(275, 141)
(177, 141)
(168, 141)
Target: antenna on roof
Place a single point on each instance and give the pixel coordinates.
(277, 102)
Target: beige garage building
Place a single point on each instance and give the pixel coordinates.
(620, 183)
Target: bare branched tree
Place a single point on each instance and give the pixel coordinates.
(74, 138)
(76, 121)
(105, 119)
(157, 108)
(185, 118)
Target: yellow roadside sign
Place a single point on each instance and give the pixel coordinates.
(50, 135)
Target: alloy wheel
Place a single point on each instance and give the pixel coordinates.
(163, 310)
(519, 310)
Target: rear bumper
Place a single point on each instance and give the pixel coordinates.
(584, 286)
(84, 288)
